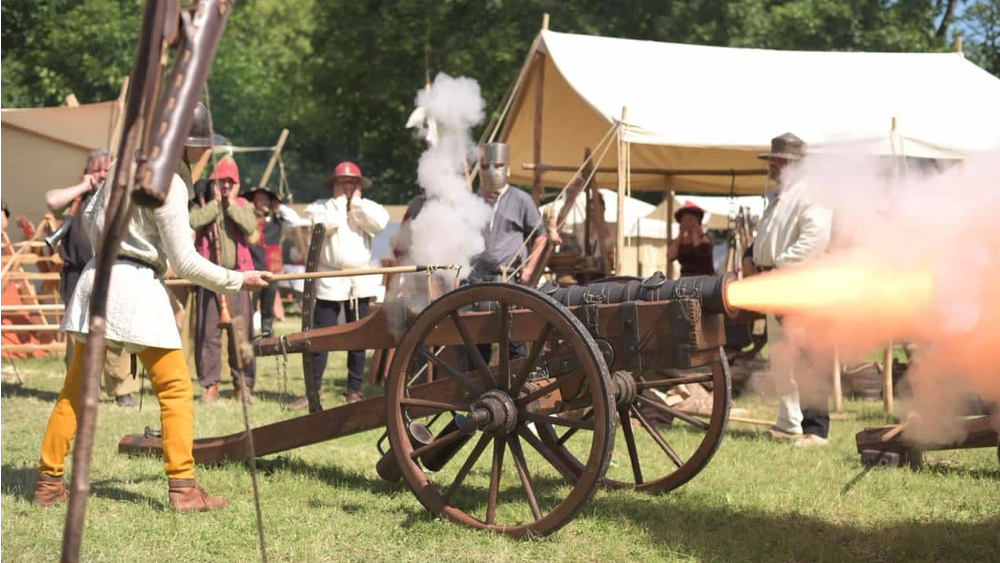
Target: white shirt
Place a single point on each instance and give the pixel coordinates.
(349, 236)
(792, 229)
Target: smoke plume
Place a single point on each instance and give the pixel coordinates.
(915, 257)
(448, 228)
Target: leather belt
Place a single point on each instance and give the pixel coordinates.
(137, 262)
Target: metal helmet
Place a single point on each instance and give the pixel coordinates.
(495, 166)
(201, 129)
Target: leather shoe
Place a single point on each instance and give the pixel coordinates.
(187, 496)
(299, 404)
(775, 433)
(353, 396)
(810, 440)
(50, 490)
(210, 395)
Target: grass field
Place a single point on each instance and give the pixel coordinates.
(757, 501)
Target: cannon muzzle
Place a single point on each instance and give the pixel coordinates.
(709, 290)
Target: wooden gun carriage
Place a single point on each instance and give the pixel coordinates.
(591, 359)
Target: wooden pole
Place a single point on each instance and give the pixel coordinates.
(838, 393)
(887, 398)
(199, 166)
(670, 231)
(654, 171)
(335, 274)
(536, 184)
(274, 158)
(115, 127)
(620, 234)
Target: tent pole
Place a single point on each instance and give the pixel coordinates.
(622, 172)
(536, 185)
(670, 229)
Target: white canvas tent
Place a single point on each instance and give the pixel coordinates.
(715, 108)
(46, 148)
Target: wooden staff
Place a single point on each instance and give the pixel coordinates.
(338, 273)
(225, 320)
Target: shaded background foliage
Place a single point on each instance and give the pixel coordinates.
(342, 75)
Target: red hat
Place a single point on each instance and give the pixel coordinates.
(226, 168)
(348, 169)
(689, 207)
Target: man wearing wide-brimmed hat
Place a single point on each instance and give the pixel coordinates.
(351, 221)
(793, 229)
(272, 217)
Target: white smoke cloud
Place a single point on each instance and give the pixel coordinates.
(449, 227)
(893, 220)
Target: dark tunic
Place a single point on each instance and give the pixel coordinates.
(696, 260)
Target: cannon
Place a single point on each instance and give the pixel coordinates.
(580, 364)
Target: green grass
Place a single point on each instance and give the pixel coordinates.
(756, 501)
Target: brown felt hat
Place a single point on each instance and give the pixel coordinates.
(786, 146)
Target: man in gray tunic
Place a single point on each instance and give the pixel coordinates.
(514, 236)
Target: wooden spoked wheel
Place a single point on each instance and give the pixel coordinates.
(521, 488)
(655, 458)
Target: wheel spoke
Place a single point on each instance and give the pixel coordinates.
(472, 349)
(674, 381)
(658, 439)
(437, 405)
(495, 470)
(674, 412)
(633, 453)
(505, 328)
(522, 472)
(546, 453)
(446, 439)
(484, 440)
(557, 420)
(546, 389)
(532, 360)
(450, 370)
(569, 433)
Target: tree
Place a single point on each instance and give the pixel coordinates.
(982, 42)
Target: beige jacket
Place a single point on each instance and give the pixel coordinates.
(792, 229)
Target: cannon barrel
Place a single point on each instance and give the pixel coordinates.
(709, 290)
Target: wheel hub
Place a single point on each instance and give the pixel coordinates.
(626, 388)
(494, 412)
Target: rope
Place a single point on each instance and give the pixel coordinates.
(602, 145)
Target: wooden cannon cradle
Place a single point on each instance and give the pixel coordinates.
(560, 398)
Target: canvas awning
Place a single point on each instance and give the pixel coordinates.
(716, 108)
(46, 148)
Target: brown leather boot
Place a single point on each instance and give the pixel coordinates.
(354, 395)
(187, 496)
(211, 394)
(50, 490)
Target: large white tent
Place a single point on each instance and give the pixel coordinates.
(715, 108)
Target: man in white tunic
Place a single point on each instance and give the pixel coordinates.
(351, 223)
(792, 230)
(139, 319)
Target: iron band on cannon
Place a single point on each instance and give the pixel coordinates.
(552, 412)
